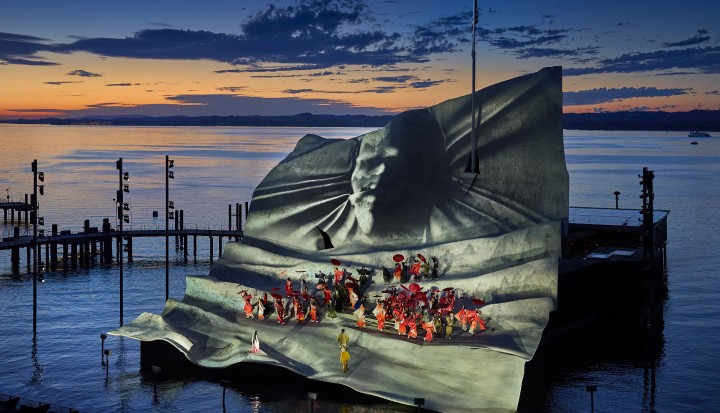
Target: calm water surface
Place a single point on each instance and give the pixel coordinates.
(220, 166)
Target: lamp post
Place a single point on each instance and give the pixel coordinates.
(35, 221)
(591, 389)
(473, 132)
(169, 164)
(122, 207)
(617, 197)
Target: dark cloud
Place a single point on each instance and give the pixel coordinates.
(713, 92)
(532, 52)
(123, 84)
(19, 49)
(231, 88)
(697, 39)
(701, 59)
(313, 34)
(395, 79)
(83, 73)
(59, 83)
(605, 95)
(423, 84)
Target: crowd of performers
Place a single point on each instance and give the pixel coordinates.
(404, 308)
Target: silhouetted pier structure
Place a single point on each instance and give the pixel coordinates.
(19, 208)
(80, 249)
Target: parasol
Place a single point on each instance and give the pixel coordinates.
(335, 261)
(478, 301)
(415, 287)
(276, 296)
(351, 285)
(398, 257)
(422, 258)
(448, 289)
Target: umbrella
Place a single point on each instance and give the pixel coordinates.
(448, 289)
(335, 261)
(422, 258)
(390, 291)
(351, 285)
(414, 287)
(404, 287)
(398, 257)
(276, 296)
(478, 301)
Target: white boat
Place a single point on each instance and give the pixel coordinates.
(698, 134)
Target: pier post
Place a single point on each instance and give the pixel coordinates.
(65, 256)
(177, 219)
(47, 256)
(220, 246)
(106, 247)
(182, 227)
(27, 210)
(53, 249)
(129, 248)
(195, 248)
(230, 217)
(211, 248)
(238, 217)
(247, 210)
(4, 216)
(15, 253)
(29, 253)
(73, 255)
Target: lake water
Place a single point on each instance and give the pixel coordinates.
(215, 167)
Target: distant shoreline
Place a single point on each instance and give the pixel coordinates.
(701, 120)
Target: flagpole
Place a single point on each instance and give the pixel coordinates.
(473, 133)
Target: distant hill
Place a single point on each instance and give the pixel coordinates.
(703, 120)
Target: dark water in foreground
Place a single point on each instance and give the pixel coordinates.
(219, 166)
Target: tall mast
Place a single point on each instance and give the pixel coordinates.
(473, 133)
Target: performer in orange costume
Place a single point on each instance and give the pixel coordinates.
(360, 314)
(313, 310)
(475, 319)
(412, 330)
(429, 330)
(248, 307)
(462, 317)
(280, 310)
(398, 272)
(288, 288)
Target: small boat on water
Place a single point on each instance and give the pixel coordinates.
(698, 134)
(693, 143)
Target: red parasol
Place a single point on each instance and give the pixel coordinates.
(335, 261)
(404, 287)
(276, 296)
(414, 287)
(478, 301)
(422, 258)
(448, 289)
(351, 285)
(398, 257)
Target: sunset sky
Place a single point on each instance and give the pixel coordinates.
(253, 57)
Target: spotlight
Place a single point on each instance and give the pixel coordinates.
(171, 175)
(171, 163)
(41, 176)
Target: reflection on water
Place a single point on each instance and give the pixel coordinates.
(38, 370)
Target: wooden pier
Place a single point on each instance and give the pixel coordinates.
(80, 249)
